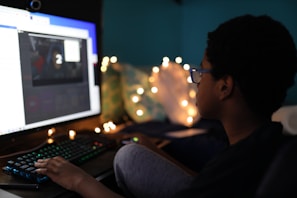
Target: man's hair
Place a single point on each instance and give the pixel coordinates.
(260, 54)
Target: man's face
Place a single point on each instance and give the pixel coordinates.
(206, 98)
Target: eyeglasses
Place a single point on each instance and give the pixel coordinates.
(196, 74)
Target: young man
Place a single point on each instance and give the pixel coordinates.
(248, 66)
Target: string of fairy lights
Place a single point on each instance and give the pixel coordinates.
(187, 106)
(185, 101)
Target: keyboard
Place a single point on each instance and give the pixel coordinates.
(77, 151)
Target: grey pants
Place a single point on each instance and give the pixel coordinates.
(143, 173)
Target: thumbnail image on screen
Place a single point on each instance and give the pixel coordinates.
(54, 75)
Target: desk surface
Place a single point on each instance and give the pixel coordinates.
(97, 166)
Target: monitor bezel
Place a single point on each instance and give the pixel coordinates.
(91, 11)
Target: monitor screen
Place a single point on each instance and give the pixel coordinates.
(47, 70)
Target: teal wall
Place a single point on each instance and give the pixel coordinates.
(141, 32)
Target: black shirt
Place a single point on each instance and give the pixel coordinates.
(237, 171)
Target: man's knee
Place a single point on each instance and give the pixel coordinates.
(127, 154)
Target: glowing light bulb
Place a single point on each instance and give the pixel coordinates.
(72, 134)
(154, 89)
(105, 60)
(178, 60)
(139, 112)
(155, 69)
(186, 66)
(112, 125)
(184, 103)
(50, 140)
(103, 68)
(165, 64)
(192, 111)
(189, 79)
(51, 131)
(107, 130)
(109, 126)
(135, 99)
(97, 130)
(113, 59)
(192, 93)
(190, 119)
(140, 91)
(166, 59)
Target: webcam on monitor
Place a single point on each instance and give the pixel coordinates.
(34, 5)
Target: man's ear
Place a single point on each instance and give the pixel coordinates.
(226, 86)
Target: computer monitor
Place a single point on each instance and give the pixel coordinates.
(48, 68)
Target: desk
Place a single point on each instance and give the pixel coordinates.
(101, 165)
